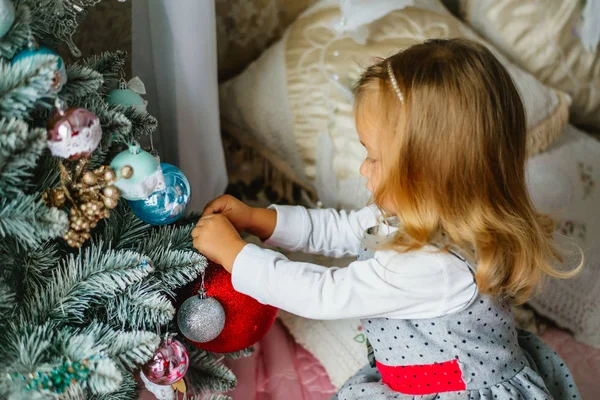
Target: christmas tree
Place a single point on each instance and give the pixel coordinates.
(85, 299)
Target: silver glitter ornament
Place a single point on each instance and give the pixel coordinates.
(201, 318)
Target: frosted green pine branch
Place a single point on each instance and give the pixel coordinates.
(207, 371)
(25, 84)
(173, 268)
(179, 237)
(47, 173)
(142, 306)
(123, 230)
(24, 350)
(25, 346)
(84, 281)
(28, 220)
(176, 268)
(127, 390)
(115, 128)
(128, 349)
(109, 65)
(7, 300)
(27, 268)
(18, 35)
(20, 148)
(105, 376)
(81, 83)
(142, 123)
(219, 397)
(240, 354)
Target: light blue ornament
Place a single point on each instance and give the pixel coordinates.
(7, 16)
(125, 97)
(128, 94)
(32, 51)
(167, 205)
(61, 71)
(147, 175)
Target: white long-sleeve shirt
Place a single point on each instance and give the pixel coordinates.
(416, 284)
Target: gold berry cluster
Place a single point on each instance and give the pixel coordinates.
(91, 195)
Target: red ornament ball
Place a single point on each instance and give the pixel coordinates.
(246, 320)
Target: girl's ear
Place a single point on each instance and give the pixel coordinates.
(376, 60)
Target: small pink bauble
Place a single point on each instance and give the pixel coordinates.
(169, 364)
(73, 133)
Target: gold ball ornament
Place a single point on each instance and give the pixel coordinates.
(110, 176)
(112, 192)
(57, 197)
(90, 195)
(110, 202)
(126, 171)
(89, 178)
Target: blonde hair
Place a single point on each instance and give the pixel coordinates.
(454, 161)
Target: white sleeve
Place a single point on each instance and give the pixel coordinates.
(393, 285)
(321, 231)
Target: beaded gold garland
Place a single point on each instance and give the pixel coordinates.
(91, 195)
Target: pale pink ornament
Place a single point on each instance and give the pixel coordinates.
(169, 364)
(73, 133)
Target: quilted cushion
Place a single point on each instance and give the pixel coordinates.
(543, 38)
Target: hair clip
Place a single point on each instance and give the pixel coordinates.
(394, 82)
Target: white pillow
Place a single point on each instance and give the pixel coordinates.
(543, 38)
(296, 102)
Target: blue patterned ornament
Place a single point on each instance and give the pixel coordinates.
(139, 173)
(7, 16)
(60, 76)
(167, 205)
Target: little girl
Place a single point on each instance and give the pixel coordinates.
(445, 134)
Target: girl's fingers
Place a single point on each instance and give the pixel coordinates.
(197, 243)
(215, 206)
(204, 219)
(209, 208)
(196, 232)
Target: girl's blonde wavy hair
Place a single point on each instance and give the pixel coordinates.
(454, 154)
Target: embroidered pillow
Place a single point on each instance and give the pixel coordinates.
(543, 37)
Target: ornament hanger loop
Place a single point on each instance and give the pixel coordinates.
(32, 43)
(60, 105)
(122, 81)
(202, 291)
(134, 147)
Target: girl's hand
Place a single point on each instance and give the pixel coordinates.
(258, 221)
(237, 212)
(217, 239)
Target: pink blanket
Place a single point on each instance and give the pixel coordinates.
(280, 369)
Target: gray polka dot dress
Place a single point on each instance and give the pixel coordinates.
(476, 353)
